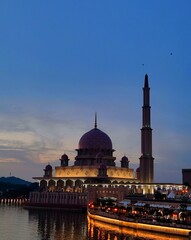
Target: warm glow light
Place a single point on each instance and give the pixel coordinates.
(142, 230)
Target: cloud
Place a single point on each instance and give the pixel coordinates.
(35, 138)
(10, 160)
(22, 140)
(37, 135)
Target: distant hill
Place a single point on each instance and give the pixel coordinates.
(13, 187)
(14, 180)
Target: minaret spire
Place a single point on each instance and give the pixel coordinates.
(146, 103)
(95, 120)
(146, 159)
(146, 81)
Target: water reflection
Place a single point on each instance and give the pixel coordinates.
(17, 223)
(59, 225)
(104, 231)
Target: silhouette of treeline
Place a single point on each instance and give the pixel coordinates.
(13, 187)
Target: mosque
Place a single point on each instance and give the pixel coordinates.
(95, 168)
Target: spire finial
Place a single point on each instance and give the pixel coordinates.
(95, 119)
(146, 81)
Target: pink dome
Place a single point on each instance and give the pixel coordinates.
(95, 139)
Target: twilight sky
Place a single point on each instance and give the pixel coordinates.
(62, 61)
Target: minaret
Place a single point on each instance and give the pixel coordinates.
(146, 159)
(95, 125)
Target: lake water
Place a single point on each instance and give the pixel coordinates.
(17, 223)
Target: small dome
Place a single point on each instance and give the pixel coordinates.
(95, 139)
(102, 166)
(124, 158)
(64, 157)
(99, 155)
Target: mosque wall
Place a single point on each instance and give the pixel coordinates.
(117, 172)
(57, 199)
(76, 171)
(92, 171)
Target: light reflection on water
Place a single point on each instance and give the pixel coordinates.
(59, 224)
(17, 223)
(105, 231)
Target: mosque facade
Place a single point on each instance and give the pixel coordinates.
(95, 168)
(94, 164)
